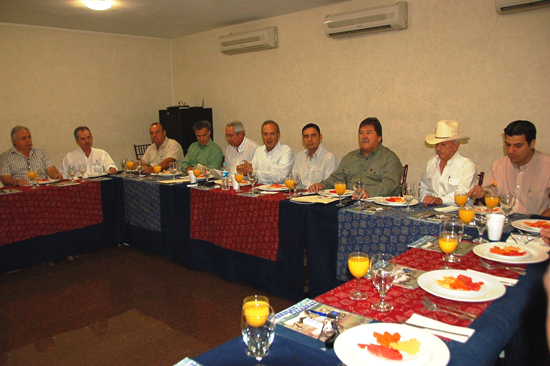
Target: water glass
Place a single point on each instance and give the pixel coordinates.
(480, 222)
(384, 270)
(408, 191)
(507, 203)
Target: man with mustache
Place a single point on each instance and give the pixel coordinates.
(15, 162)
(523, 171)
(97, 161)
(448, 171)
(378, 165)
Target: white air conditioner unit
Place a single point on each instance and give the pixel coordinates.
(371, 20)
(261, 39)
(513, 6)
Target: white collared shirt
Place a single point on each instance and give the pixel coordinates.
(459, 173)
(316, 169)
(235, 155)
(275, 165)
(169, 149)
(98, 158)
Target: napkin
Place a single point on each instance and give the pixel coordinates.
(522, 239)
(441, 329)
(446, 209)
(314, 199)
(505, 281)
(173, 181)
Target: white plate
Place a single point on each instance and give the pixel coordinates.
(244, 183)
(270, 188)
(536, 254)
(520, 224)
(495, 210)
(48, 181)
(382, 201)
(96, 175)
(332, 193)
(490, 290)
(433, 351)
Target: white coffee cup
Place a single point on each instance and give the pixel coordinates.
(495, 224)
(192, 178)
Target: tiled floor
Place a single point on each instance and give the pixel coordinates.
(117, 306)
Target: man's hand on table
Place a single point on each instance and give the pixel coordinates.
(431, 200)
(114, 171)
(315, 187)
(545, 235)
(476, 192)
(363, 196)
(244, 168)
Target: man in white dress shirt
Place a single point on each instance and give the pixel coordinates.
(162, 151)
(240, 147)
(315, 163)
(448, 171)
(273, 161)
(97, 161)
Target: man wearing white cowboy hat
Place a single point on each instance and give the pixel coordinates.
(448, 171)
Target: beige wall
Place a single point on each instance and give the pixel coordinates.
(457, 60)
(53, 81)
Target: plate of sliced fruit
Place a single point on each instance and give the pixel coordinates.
(511, 253)
(385, 344)
(533, 226)
(461, 285)
(394, 201)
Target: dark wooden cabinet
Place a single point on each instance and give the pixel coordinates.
(178, 123)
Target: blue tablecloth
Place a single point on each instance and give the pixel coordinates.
(142, 203)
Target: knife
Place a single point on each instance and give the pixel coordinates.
(437, 330)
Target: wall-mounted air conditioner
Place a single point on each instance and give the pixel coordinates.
(261, 39)
(371, 20)
(513, 6)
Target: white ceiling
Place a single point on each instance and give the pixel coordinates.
(152, 18)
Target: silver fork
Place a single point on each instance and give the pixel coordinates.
(495, 266)
(430, 302)
(433, 307)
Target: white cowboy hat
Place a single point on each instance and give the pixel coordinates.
(446, 130)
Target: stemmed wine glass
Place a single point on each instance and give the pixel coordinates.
(358, 264)
(82, 170)
(384, 270)
(448, 240)
(507, 203)
(206, 172)
(290, 181)
(461, 197)
(252, 178)
(239, 176)
(297, 182)
(408, 191)
(130, 165)
(480, 222)
(31, 173)
(340, 188)
(173, 169)
(456, 226)
(258, 328)
(359, 188)
(72, 171)
(466, 214)
(139, 168)
(491, 201)
(123, 166)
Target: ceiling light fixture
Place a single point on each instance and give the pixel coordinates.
(98, 4)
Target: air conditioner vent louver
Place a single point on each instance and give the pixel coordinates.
(261, 39)
(514, 6)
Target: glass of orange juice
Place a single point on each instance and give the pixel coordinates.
(466, 214)
(157, 169)
(239, 176)
(289, 183)
(197, 171)
(258, 328)
(340, 188)
(461, 197)
(491, 201)
(448, 241)
(358, 264)
(31, 173)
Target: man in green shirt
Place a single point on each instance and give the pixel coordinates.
(376, 164)
(204, 151)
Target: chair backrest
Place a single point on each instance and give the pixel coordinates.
(480, 177)
(140, 150)
(405, 171)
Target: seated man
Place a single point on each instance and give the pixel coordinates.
(315, 163)
(97, 161)
(448, 171)
(273, 161)
(524, 171)
(162, 151)
(375, 163)
(204, 151)
(240, 147)
(15, 162)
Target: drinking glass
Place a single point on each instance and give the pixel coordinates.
(289, 183)
(453, 225)
(206, 172)
(340, 188)
(507, 203)
(359, 188)
(480, 222)
(448, 240)
(461, 197)
(157, 169)
(130, 165)
(139, 169)
(408, 191)
(252, 178)
(72, 171)
(238, 178)
(466, 214)
(40, 174)
(173, 167)
(491, 201)
(197, 171)
(384, 269)
(82, 170)
(31, 173)
(258, 328)
(123, 165)
(297, 182)
(358, 264)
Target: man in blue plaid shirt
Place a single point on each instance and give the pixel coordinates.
(22, 157)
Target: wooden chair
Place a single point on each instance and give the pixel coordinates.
(405, 171)
(480, 177)
(140, 150)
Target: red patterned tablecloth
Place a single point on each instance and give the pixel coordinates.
(245, 224)
(407, 302)
(48, 210)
